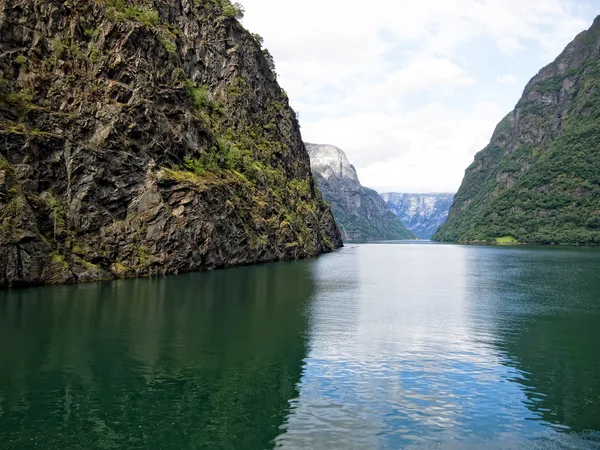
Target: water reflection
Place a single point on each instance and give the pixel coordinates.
(376, 346)
(196, 361)
(419, 346)
(381, 365)
(545, 307)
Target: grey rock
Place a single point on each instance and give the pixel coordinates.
(422, 214)
(359, 211)
(102, 112)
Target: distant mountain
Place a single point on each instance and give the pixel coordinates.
(422, 214)
(538, 180)
(360, 212)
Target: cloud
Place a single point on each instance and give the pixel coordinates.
(345, 31)
(357, 92)
(426, 74)
(422, 150)
(398, 84)
(507, 79)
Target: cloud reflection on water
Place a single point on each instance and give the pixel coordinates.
(407, 349)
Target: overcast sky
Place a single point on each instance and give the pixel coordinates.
(411, 90)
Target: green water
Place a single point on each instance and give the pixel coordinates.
(375, 346)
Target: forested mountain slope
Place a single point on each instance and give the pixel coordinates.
(538, 180)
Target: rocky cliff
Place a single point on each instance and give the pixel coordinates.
(142, 138)
(360, 212)
(539, 178)
(422, 214)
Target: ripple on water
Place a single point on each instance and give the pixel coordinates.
(406, 360)
(376, 346)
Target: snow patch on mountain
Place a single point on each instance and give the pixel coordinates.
(423, 214)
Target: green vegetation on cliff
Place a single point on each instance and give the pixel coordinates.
(146, 137)
(538, 180)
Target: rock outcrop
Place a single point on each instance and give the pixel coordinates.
(359, 211)
(144, 138)
(422, 214)
(538, 180)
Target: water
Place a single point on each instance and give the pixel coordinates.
(375, 346)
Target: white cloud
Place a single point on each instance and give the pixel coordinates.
(507, 79)
(422, 150)
(425, 74)
(358, 91)
(392, 82)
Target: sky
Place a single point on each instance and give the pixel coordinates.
(411, 90)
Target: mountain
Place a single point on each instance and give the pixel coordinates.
(145, 138)
(538, 180)
(360, 212)
(420, 213)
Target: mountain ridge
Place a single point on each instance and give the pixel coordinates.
(421, 213)
(360, 212)
(538, 181)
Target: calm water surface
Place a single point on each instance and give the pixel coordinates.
(376, 346)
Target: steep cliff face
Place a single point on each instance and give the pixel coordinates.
(422, 214)
(359, 211)
(145, 137)
(539, 178)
